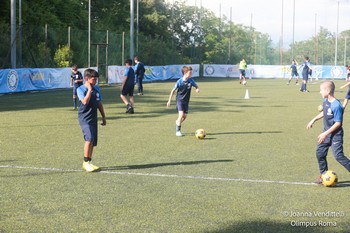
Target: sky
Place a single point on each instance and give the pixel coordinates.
(266, 16)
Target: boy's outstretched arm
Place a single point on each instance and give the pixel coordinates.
(102, 111)
(345, 85)
(170, 97)
(316, 118)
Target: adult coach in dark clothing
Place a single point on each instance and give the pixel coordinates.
(139, 74)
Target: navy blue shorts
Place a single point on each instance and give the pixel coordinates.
(181, 106)
(242, 72)
(128, 90)
(348, 94)
(305, 76)
(295, 74)
(90, 133)
(75, 87)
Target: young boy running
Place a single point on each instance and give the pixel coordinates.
(294, 73)
(183, 87)
(332, 135)
(127, 87)
(90, 100)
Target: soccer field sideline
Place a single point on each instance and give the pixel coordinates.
(164, 175)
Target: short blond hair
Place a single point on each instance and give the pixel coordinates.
(329, 85)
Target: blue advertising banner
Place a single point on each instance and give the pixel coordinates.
(267, 71)
(34, 79)
(152, 73)
(27, 79)
(19, 80)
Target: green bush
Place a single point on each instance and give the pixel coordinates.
(63, 56)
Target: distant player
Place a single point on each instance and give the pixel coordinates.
(242, 68)
(139, 74)
(76, 80)
(332, 135)
(347, 73)
(347, 96)
(305, 73)
(183, 87)
(310, 75)
(90, 100)
(127, 87)
(294, 72)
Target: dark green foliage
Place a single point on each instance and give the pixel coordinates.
(166, 34)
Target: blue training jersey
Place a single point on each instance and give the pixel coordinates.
(76, 76)
(129, 73)
(332, 112)
(87, 114)
(184, 89)
(139, 69)
(306, 68)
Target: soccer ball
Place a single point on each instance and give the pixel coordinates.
(320, 108)
(329, 178)
(200, 134)
(244, 82)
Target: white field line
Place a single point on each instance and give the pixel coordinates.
(163, 175)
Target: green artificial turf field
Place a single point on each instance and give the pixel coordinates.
(252, 173)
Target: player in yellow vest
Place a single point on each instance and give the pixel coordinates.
(242, 67)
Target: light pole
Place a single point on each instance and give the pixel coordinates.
(137, 24)
(293, 29)
(89, 34)
(336, 38)
(13, 34)
(131, 29)
(345, 51)
(281, 40)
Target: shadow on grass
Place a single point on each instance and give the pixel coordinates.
(269, 226)
(44, 173)
(7, 161)
(154, 165)
(254, 132)
(343, 184)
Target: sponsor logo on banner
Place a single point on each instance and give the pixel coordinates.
(38, 76)
(209, 70)
(336, 72)
(12, 80)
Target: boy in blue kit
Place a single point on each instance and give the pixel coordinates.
(332, 135)
(305, 73)
(183, 87)
(139, 74)
(90, 100)
(294, 73)
(347, 96)
(127, 87)
(76, 80)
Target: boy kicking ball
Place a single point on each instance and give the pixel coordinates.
(90, 100)
(183, 87)
(332, 135)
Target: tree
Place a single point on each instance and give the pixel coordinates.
(63, 56)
